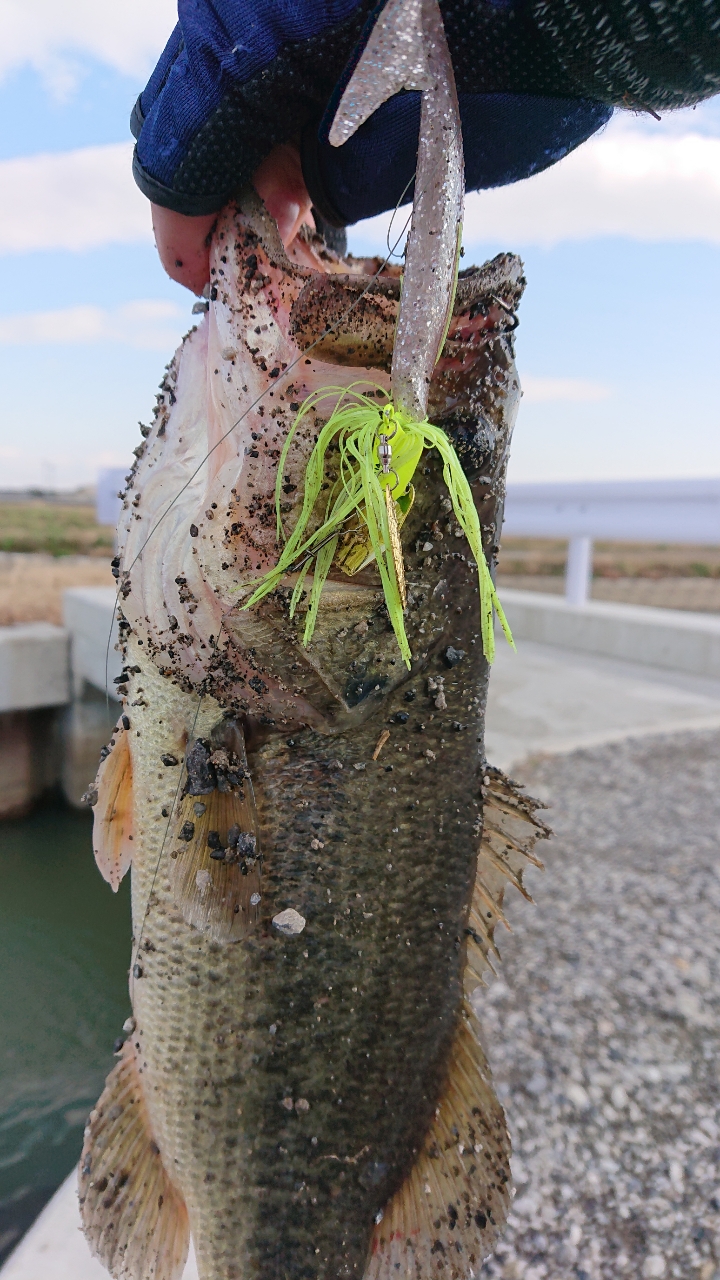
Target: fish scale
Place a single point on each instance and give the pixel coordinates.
(309, 1099)
(404, 1012)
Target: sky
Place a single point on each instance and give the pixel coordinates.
(618, 340)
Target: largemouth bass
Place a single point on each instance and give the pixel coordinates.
(319, 850)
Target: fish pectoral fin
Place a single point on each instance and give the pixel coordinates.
(214, 861)
(134, 1219)
(113, 821)
(218, 895)
(445, 1218)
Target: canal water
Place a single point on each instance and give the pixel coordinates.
(64, 949)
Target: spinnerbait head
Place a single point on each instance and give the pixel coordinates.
(384, 448)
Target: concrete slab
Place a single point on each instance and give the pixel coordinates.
(674, 639)
(89, 616)
(546, 701)
(87, 725)
(55, 1248)
(30, 756)
(33, 666)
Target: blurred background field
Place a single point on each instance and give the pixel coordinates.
(656, 574)
(57, 523)
(51, 541)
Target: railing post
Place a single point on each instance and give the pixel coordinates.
(578, 570)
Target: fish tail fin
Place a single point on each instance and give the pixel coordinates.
(446, 1217)
(134, 1219)
(112, 800)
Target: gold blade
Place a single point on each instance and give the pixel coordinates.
(396, 546)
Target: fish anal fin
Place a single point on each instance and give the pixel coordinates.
(445, 1218)
(134, 1219)
(113, 822)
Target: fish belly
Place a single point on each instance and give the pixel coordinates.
(290, 1080)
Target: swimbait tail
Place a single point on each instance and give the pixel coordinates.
(407, 49)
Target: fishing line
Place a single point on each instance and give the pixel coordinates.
(391, 251)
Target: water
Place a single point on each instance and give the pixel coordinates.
(64, 949)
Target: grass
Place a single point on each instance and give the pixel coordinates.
(53, 528)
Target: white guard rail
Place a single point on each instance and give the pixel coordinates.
(679, 511)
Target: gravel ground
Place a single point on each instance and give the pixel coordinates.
(604, 1025)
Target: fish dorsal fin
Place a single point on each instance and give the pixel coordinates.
(511, 829)
(134, 1220)
(113, 823)
(214, 863)
(444, 1219)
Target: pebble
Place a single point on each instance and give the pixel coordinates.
(654, 1265)
(289, 922)
(603, 1028)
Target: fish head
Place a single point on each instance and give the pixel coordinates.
(199, 526)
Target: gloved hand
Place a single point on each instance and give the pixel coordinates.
(240, 78)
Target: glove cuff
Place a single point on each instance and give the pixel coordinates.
(193, 206)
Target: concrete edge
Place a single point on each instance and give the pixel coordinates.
(667, 638)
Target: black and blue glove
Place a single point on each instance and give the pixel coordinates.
(535, 78)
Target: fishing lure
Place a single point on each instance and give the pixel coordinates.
(380, 445)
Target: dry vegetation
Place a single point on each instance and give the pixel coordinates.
(545, 557)
(657, 574)
(31, 586)
(46, 546)
(57, 528)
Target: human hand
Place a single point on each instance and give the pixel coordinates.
(183, 242)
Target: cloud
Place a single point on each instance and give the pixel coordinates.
(71, 200)
(624, 182)
(149, 325)
(50, 35)
(537, 390)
